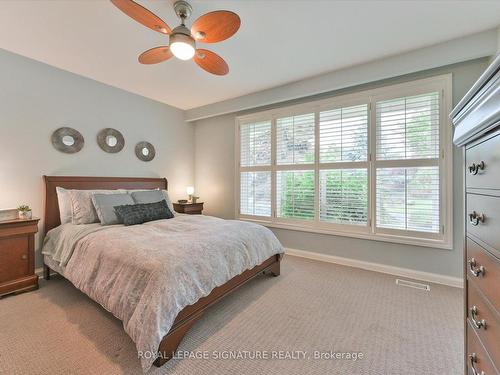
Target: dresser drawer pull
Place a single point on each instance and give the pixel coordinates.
(477, 323)
(473, 360)
(476, 218)
(475, 168)
(24, 257)
(475, 271)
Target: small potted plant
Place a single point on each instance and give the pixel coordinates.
(24, 212)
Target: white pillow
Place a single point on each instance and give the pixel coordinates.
(64, 201)
(82, 207)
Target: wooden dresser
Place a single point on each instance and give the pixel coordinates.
(17, 256)
(477, 129)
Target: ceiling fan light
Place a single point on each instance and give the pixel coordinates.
(182, 46)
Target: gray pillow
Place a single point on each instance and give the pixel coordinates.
(104, 205)
(152, 196)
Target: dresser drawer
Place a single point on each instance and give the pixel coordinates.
(483, 271)
(483, 218)
(482, 163)
(477, 358)
(14, 259)
(484, 321)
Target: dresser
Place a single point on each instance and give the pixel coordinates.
(476, 119)
(17, 256)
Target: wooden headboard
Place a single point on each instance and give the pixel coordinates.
(52, 218)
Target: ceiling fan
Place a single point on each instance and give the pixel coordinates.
(212, 27)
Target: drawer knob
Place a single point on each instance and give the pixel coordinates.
(476, 218)
(475, 168)
(24, 257)
(477, 323)
(472, 362)
(474, 270)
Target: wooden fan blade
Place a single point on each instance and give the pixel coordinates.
(215, 26)
(155, 55)
(142, 15)
(211, 62)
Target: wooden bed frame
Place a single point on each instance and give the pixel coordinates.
(190, 314)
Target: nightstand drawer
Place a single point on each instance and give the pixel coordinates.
(14, 258)
(189, 208)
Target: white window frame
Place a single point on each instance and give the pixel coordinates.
(443, 240)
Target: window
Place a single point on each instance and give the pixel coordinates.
(375, 165)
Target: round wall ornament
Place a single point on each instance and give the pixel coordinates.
(110, 140)
(67, 140)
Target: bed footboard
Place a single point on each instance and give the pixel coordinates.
(190, 314)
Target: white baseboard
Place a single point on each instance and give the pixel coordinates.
(377, 267)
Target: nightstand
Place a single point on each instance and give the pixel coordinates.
(17, 256)
(189, 208)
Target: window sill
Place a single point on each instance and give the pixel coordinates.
(406, 240)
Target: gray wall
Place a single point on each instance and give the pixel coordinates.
(36, 99)
(214, 181)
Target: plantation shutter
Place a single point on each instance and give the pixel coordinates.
(295, 194)
(344, 134)
(343, 192)
(408, 128)
(295, 139)
(255, 174)
(255, 144)
(255, 196)
(407, 173)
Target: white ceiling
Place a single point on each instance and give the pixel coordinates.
(278, 42)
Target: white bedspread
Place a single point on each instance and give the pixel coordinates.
(146, 274)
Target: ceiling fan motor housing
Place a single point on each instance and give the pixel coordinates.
(183, 9)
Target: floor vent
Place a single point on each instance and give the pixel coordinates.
(413, 284)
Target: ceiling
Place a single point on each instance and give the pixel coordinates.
(279, 41)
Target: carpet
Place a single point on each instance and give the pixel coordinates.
(316, 318)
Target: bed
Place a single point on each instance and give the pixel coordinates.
(158, 277)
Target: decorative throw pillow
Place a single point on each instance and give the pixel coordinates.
(143, 212)
(104, 205)
(152, 196)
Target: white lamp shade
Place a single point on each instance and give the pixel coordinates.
(190, 190)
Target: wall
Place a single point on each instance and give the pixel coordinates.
(36, 99)
(214, 181)
(454, 51)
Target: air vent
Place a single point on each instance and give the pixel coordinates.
(413, 284)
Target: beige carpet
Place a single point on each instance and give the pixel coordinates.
(312, 306)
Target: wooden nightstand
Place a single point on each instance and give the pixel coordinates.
(17, 256)
(189, 208)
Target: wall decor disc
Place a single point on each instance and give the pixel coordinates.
(110, 140)
(67, 140)
(145, 151)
